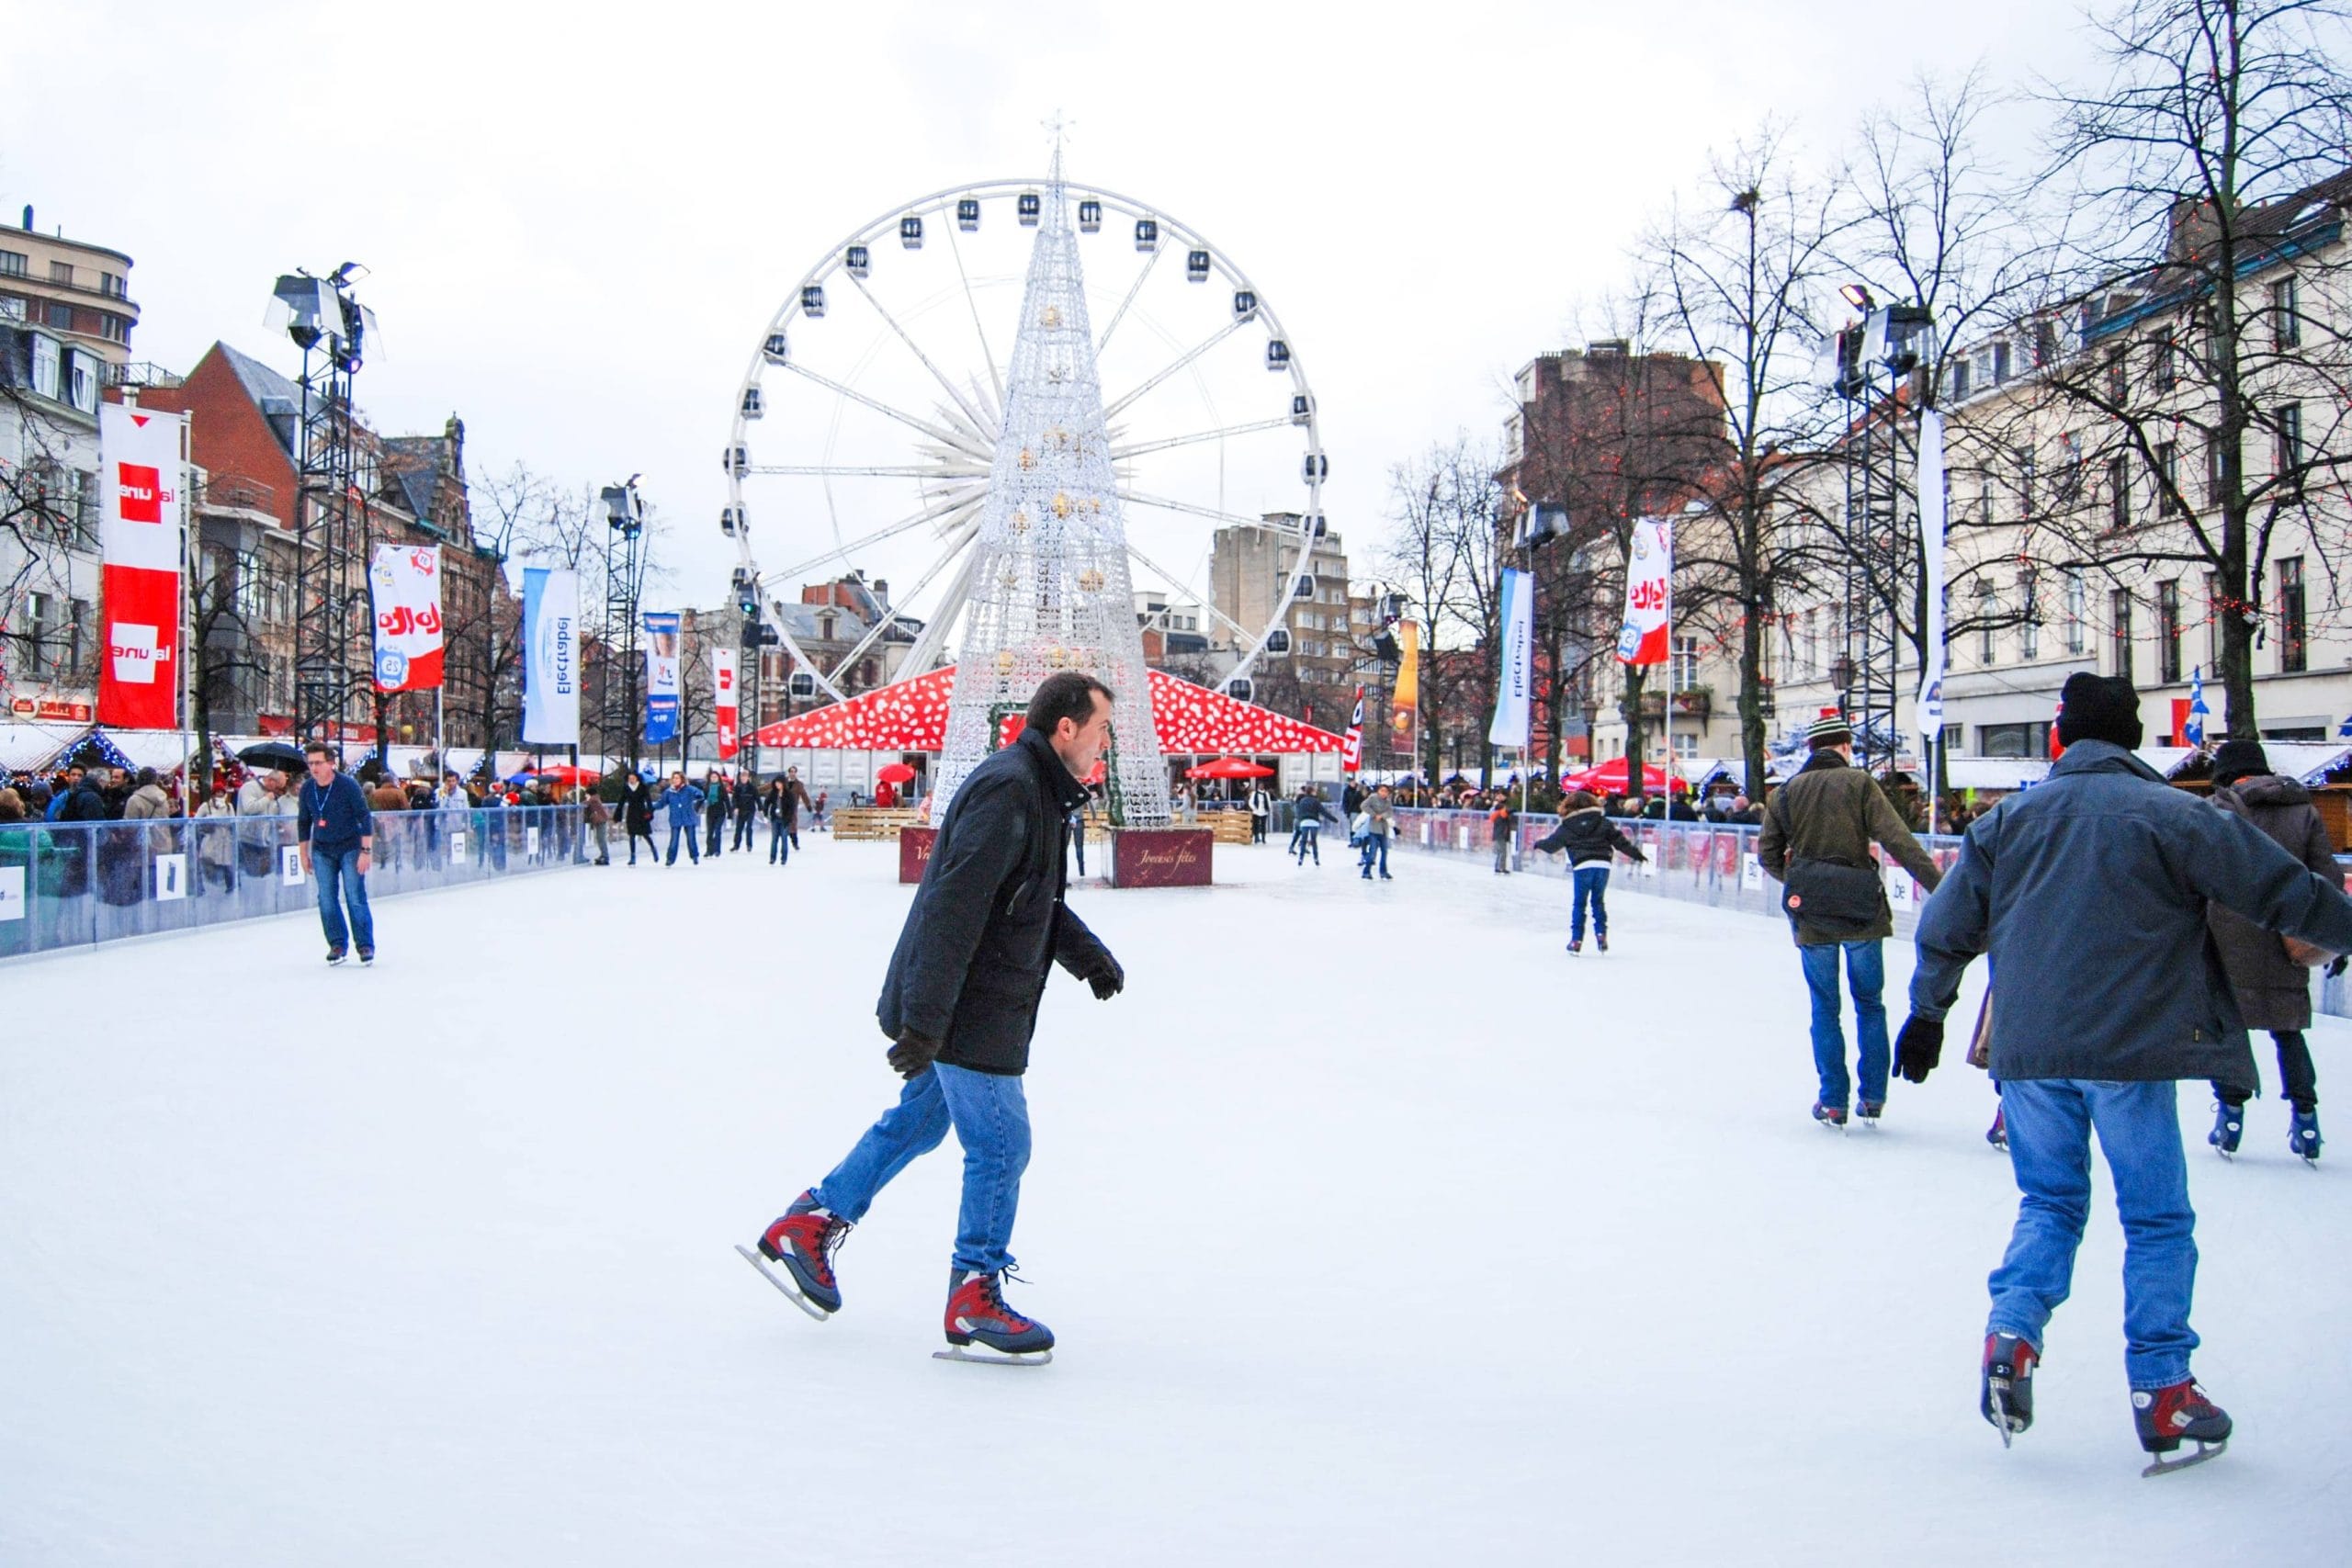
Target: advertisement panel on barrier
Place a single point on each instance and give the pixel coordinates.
(723, 699)
(171, 878)
(550, 657)
(404, 591)
(12, 893)
(289, 866)
(143, 511)
(661, 632)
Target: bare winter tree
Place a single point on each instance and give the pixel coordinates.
(1738, 280)
(2191, 358)
(1938, 226)
(47, 510)
(1446, 505)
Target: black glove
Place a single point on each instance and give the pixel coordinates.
(911, 1058)
(1918, 1048)
(1109, 980)
(2337, 967)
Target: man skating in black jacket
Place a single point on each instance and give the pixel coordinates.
(960, 1002)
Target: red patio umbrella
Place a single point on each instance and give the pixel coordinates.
(565, 774)
(1228, 768)
(895, 772)
(1608, 778)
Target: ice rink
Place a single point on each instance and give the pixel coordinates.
(1375, 1228)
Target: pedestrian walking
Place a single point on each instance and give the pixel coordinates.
(2271, 983)
(1306, 826)
(1589, 839)
(599, 818)
(959, 1004)
(2090, 894)
(1502, 827)
(216, 843)
(1816, 843)
(716, 797)
(679, 804)
(1262, 807)
(637, 816)
(1378, 817)
(745, 806)
(337, 833)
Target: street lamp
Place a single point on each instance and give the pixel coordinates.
(624, 568)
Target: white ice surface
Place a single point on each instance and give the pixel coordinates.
(1375, 1229)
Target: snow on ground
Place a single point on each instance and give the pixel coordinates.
(1376, 1229)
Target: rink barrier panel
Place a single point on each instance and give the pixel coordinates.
(1707, 863)
(71, 884)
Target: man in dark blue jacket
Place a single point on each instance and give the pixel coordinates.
(960, 1002)
(337, 833)
(2088, 895)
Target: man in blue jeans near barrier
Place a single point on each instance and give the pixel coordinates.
(337, 833)
(1830, 814)
(960, 1002)
(2088, 895)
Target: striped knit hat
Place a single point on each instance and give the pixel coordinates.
(1832, 729)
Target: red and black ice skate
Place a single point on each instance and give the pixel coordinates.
(2166, 1416)
(802, 1241)
(980, 1328)
(2007, 1398)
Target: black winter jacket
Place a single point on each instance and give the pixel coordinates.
(636, 810)
(988, 920)
(1587, 836)
(2090, 894)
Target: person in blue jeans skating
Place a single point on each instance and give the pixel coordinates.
(2090, 894)
(959, 1004)
(1830, 814)
(1589, 838)
(679, 803)
(337, 833)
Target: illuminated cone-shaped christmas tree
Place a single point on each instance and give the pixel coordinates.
(1049, 584)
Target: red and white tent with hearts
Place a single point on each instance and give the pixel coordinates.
(912, 716)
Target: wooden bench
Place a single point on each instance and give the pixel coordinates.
(1228, 826)
(870, 821)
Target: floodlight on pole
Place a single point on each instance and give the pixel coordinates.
(1859, 296)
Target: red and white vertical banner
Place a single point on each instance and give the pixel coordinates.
(723, 701)
(404, 589)
(143, 512)
(1352, 746)
(1649, 593)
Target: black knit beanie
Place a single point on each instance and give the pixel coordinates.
(2236, 760)
(2100, 707)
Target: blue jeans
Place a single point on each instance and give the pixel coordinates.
(337, 875)
(1866, 975)
(991, 1115)
(1309, 841)
(2050, 1122)
(779, 843)
(1592, 887)
(1374, 845)
(692, 852)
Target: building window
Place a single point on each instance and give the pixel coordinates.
(1988, 610)
(2030, 611)
(2000, 363)
(62, 317)
(2119, 611)
(2213, 473)
(2119, 494)
(2168, 469)
(13, 264)
(61, 272)
(113, 328)
(48, 363)
(2168, 632)
(79, 651)
(1950, 739)
(2118, 376)
(1684, 670)
(111, 283)
(2162, 368)
(81, 381)
(2287, 451)
(2213, 619)
(1959, 380)
(1686, 746)
(2286, 319)
(2075, 603)
(2014, 739)
(2294, 651)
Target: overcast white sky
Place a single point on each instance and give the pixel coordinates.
(580, 217)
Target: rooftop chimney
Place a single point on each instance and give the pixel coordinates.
(28, 218)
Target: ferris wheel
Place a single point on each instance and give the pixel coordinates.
(865, 425)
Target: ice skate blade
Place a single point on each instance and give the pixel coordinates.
(980, 1357)
(791, 1291)
(2204, 1451)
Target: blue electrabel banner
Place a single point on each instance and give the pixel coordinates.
(661, 676)
(550, 657)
